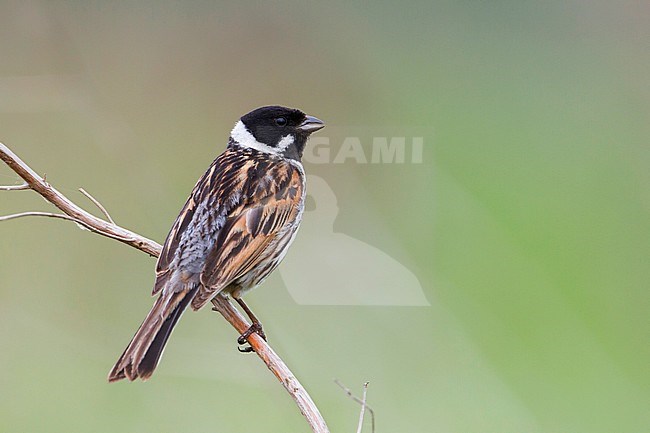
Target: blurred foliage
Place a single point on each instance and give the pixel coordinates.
(526, 223)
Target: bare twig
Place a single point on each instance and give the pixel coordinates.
(98, 204)
(221, 304)
(274, 363)
(363, 407)
(14, 187)
(360, 401)
(82, 224)
(42, 214)
(90, 221)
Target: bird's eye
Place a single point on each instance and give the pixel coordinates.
(280, 121)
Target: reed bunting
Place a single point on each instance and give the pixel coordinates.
(233, 231)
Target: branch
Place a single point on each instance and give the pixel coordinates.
(43, 214)
(361, 402)
(14, 187)
(363, 408)
(110, 229)
(90, 221)
(98, 204)
(274, 363)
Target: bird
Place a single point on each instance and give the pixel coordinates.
(233, 231)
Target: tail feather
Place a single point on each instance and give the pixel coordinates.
(141, 356)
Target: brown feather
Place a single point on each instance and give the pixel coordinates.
(243, 242)
(236, 224)
(143, 352)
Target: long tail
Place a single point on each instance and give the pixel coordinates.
(141, 356)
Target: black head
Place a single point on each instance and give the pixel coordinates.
(278, 130)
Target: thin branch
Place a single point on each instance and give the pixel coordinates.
(90, 221)
(98, 204)
(363, 407)
(82, 224)
(42, 214)
(358, 400)
(274, 363)
(14, 187)
(221, 304)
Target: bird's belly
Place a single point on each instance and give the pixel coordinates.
(269, 260)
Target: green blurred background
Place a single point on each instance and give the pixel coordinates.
(526, 223)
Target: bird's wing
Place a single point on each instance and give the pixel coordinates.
(215, 194)
(271, 204)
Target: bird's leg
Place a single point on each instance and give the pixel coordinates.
(256, 327)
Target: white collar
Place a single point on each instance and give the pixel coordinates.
(244, 138)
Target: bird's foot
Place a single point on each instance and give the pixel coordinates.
(256, 328)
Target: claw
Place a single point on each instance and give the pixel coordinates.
(247, 349)
(254, 328)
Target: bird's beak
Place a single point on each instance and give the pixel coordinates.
(311, 124)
